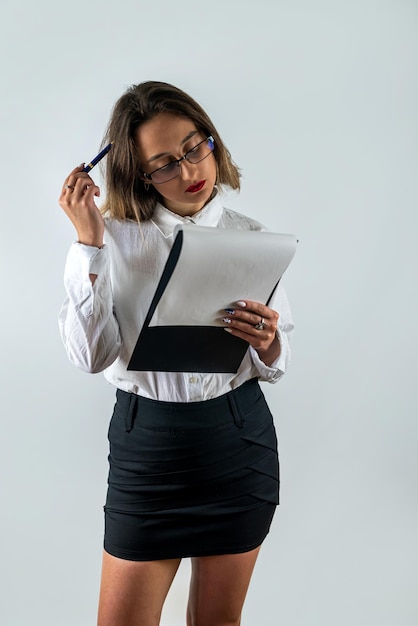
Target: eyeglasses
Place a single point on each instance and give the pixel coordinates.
(196, 154)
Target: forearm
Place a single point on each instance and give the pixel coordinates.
(272, 364)
(92, 343)
(89, 329)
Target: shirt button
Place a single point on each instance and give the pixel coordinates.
(192, 380)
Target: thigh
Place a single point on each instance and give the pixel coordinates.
(218, 588)
(132, 593)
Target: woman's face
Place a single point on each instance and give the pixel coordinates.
(167, 137)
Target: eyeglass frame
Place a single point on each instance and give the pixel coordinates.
(148, 177)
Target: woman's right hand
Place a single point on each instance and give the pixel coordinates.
(77, 200)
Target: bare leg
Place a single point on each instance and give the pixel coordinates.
(132, 593)
(218, 588)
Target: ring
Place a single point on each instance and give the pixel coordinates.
(261, 324)
(69, 186)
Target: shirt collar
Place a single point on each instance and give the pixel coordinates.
(166, 221)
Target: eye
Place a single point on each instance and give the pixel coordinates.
(168, 168)
(195, 150)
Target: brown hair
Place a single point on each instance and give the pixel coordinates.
(126, 196)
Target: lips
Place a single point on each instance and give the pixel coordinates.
(197, 187)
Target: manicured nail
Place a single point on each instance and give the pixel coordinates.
(228, 330)
(242, 303)
(230, 311)
(226, 320)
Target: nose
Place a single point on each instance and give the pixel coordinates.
(187, 169)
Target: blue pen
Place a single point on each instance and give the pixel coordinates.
(97, 158)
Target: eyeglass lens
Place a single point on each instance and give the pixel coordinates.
(194, 155)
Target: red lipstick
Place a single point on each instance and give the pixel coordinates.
(197, 187)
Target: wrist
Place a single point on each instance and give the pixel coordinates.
(94, 243)
(270, 354)
(91, 237)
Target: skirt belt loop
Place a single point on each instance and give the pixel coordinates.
(234, 406)
(130, 413)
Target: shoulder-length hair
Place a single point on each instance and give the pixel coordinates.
(126, 195)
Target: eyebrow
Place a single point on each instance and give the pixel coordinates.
(183, 141)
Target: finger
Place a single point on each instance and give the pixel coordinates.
(248, 327)
(83, 183)
(257, 339)
(79, 196)
(83, 197)
(74, 171)
(79, 182)
(74, 175)
(85, 179)
(266, 315)
(255, 307)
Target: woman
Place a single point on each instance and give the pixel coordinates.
(193, 457)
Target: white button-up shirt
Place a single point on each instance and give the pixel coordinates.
(100, 323)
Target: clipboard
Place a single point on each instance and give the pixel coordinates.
(208, 269)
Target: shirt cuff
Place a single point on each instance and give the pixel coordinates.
(273, 372)
(83, 260)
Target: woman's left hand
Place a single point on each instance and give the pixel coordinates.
(257, 324)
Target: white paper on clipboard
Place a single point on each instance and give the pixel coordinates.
(216, 268)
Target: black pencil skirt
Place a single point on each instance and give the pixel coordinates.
(190, 479)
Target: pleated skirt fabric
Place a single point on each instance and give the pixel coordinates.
(190, 479)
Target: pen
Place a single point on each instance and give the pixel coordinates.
(97, 158)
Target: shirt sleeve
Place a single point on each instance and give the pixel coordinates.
(89, 329)
(279, 302)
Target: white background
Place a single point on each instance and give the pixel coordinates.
(317, 102)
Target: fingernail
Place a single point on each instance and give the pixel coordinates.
(242, 303)
(226, 320)
(228, 330)
(230, 311)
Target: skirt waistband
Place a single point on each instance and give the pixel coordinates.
(205, 414)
